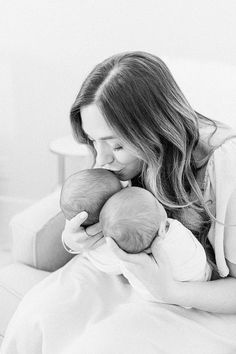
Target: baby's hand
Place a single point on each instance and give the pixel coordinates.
(76, 239)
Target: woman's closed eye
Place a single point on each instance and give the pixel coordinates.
(117, 148)
(114, 148)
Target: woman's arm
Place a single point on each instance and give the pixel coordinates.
(217, 295)
(213, 296)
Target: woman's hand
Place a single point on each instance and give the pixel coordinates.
(153, 272)
(76, 239)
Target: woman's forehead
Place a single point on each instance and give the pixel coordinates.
(94, 123)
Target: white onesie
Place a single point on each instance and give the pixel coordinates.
(186, 254)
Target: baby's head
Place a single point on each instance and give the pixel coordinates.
(132, 217)
(88, 190)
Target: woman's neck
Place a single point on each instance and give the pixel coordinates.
(137, 181)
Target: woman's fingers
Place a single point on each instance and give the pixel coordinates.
(116, 250)
(79, 241)
(98, 240)
(76, 239)
(74, 224)
(94, 229)
(160, 255)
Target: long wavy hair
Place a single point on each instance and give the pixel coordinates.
(144, 106)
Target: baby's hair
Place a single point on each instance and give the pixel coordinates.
(88, 190)
(132, 217)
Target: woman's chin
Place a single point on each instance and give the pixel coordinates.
(121, 176)
(124, 176)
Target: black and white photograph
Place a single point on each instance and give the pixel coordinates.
(118, 177)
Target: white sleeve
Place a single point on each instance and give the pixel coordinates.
(186, 254)
(230, 230)
(222, 177)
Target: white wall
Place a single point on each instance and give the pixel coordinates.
(48, 47)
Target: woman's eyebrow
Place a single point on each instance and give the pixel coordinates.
(109, 137)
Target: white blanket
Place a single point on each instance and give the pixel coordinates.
(81, 310)
(186, 255)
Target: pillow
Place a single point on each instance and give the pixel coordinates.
(36, 234)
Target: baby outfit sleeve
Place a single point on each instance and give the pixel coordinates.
(186, 254)
(220, 183)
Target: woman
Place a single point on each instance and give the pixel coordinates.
(140, 126)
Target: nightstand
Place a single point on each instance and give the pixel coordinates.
(67, 147)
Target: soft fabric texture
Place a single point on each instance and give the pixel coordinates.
(220, 183)
(79, 309)
(186, 255)
(15, 280)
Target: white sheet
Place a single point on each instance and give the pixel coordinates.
(79, 309)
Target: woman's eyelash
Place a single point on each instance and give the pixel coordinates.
(116, 148)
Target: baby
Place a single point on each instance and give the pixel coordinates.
(88, 190)
(133, 218)
(133, 229)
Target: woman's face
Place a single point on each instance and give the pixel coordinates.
(111, 153)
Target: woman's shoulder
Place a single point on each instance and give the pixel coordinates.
(221, 165)
(219, 184)
(220, 172)
(214, 134)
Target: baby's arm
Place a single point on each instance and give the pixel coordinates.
(186, 254)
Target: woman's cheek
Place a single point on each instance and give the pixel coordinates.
(125, 158)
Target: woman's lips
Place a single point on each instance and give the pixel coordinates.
(118, 173)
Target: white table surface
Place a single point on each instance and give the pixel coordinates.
(67, 146)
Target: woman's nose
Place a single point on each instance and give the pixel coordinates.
(104, 155)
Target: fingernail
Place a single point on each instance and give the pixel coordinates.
(108, 241)
(83, 214)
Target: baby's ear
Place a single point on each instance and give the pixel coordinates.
(162, 228)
